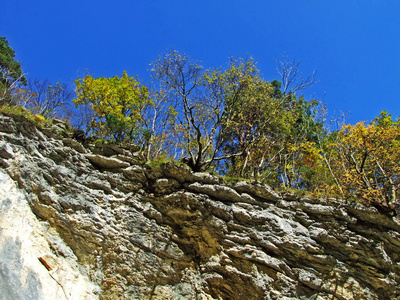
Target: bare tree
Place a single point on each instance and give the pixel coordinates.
(196, 111)
(156, 120)
(81, 117)
(48, 99)
(292, 79)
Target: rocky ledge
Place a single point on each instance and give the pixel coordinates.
(89, 222)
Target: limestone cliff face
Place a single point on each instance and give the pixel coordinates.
(95, 222)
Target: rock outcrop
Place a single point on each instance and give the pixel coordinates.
(96, 222)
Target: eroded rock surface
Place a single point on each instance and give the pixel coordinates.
(131, 231)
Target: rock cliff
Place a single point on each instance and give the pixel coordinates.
(89, 222)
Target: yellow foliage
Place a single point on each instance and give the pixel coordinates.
(39, 118)
(367, 160)
(122, 98)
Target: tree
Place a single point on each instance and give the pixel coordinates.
(197, 114)
(232, 118)
(363, 162)
(262, 124)
(117, 103)
(11, 75)
(159, 122)
(248, 115)
(292, 80)
(44, 98)
(301, 158)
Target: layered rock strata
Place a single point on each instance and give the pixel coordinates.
(87, 222)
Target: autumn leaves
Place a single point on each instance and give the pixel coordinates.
(234, 122)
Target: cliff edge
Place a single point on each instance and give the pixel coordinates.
(95, 221)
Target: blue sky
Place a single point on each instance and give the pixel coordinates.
(353, 45)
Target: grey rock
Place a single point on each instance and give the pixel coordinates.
(6, 150)
(7, 124)
(106, 162)
(165, 185)
(219, 192)
(103, 149)
(257, 190)
(204, 178)
(69, 142)
(135, 173)
(137, 231)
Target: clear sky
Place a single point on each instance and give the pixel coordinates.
(353, 45)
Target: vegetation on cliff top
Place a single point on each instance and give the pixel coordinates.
(230, 121)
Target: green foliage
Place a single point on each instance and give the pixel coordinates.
(163, 160)
(11, 76)
(232, 119)
(116, 102)
(23, 112)
(8, 65)
(263, 125)
(295, 192)
(233, 179)
(228, 120)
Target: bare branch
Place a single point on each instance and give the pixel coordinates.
(48, 97)
(292, 79)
